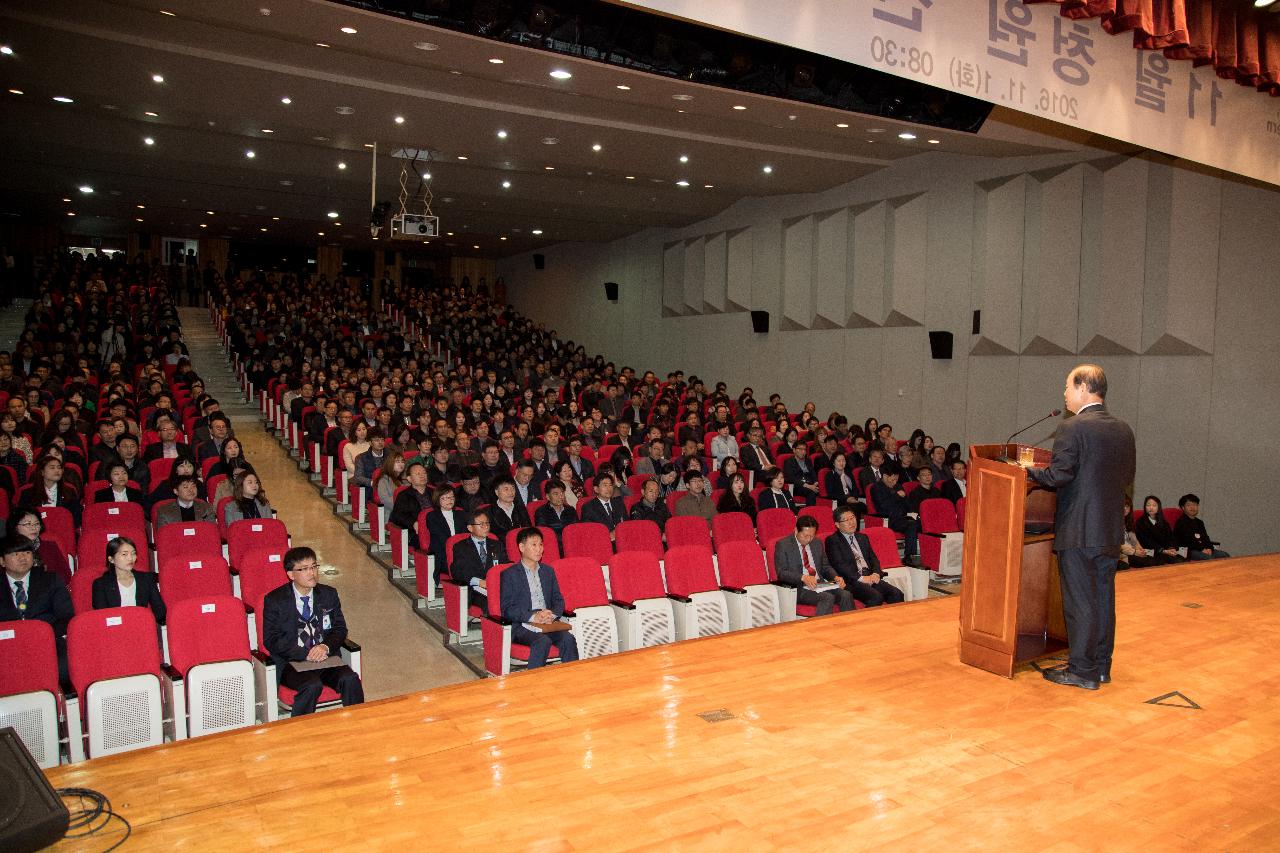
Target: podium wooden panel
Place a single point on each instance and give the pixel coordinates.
(1010, 599)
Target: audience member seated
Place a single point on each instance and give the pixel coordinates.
(167, 487)
(604, 507)
(531, 598)
(1189, 532)
(443, 469)
(302, 621)
(925, 489)
(755, 456)
(26, 522)
(357, 444)
(48, 489)
(654, 459)
(249, 499)
(840, 485)
(555, 514)
(891, 502)
(444, 522)
(801, 561)
(219, 430)
(728, 467)
(800, 474)
(956, 486)
(187, 507)
(874, 470)
(775, 493)
(856, 562)
(121, 586)
(30, 593)
(411, 502)
(574, 489)
(695, 500)
(473, 558)
(168, 447)
(507, 512)
(118, 489)
(1132, 554)
(651, 506)
(393, 466)
(723, 445)
(1154, 533)
(370, 461)
(527, 488)
(736, 498)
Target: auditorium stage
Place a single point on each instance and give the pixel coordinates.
(858, 731)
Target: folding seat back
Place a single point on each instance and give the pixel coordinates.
(92, 554)
(160, 470)
(253, 533)
(821, 513)
(588, 539)
(775, 522)
(114, 660)
(209, 646)
(551, 546)
(960, 508)
(689, 530)
(885, 544)
(581, 582)
(941, 542)
(728, 527)
(1172, 515)
(30, 695)
(753, 600)
(188, 539)
(639, 535)
(636, 482)
(452, 542)
(672, 500)
(500, 651)
(220, 513)
(106, 516)
(194, 576)
(60, 526)
(701, 608)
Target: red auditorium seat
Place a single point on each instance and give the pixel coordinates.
(700, 606)
(588, 539)
(209, 648)
(30, 696)
(752, 597)
(639, 535)
(587, 609)
(685, 530)
(644, 613)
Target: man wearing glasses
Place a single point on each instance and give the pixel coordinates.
(475, 556)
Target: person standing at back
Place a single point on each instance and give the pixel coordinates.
(1093, 463)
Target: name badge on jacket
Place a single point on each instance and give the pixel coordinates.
(325, 623)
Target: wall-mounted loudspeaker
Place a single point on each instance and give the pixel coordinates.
(539, 262)
(611, 291)
(940, 344)
(760, 322)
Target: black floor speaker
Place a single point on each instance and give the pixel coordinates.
(32, 815)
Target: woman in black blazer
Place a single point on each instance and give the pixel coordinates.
(839, 482)
(120, 581)
(439, 527)
(48, 476)
(1154, 532)
(775, 493)
(118, 477)
(736, 498)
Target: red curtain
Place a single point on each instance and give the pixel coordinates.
(1240, 42)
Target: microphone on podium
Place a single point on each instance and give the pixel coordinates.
(1052, 414)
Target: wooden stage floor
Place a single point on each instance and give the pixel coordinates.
(853, 732)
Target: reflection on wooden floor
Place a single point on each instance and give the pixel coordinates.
(859, 731)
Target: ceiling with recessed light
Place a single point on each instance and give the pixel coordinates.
(265, 114)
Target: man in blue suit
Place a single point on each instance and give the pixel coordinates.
(531, 596)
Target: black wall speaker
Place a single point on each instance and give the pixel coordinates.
(539, 262)
(611, 291)
(32, 815)
(940, 344)
(760, 322)
(977, 322)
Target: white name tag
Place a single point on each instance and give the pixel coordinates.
(6, 635)
(324, 623)
(208, 608)
(115, 620)
(196, 564)
(274, 558)
(257, 528)
(188, 531)
(113, 511)
(111, 536)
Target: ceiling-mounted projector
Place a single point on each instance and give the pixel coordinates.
(414, 226)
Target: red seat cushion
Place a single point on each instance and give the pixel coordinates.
(327, 694)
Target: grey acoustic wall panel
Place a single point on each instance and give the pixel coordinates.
(714, 271)
(905, 278)
(797, 274)
(694, 262)
(738, 284)
(831, 270)
(673, 279)
(1051, 258)
(1112, 269)
(868, 265)
(999, 213)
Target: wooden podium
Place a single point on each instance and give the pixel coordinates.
(1010, 599)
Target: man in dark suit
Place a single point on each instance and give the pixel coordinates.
(187, 507)
(891, 502)
(802, 478)
(302, 621)
(957, 486)
(473, 558)
(168, 447)
(555, 513)
(874, 470)
(219, 432)
(604, 507)
(582, 467)
(801, 562)
(1093, 463)
(36, 595)
(855, 560)
(507, 512)
(755, 456)
(530, 595)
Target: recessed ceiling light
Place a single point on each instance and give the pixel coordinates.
(337, 225)
(333, 214)
(935, 141)
(286, 183)
(110, 107)
(426, 45)
(286, 100)
(399, 119)
(63, 99)
(768, 170)
(262, 229)
(341, 165)
(16, 92)
(321, 44)
(275, 219)
(561, 74)
(842, 124)
(267, 130)
(875, 130)
(167, 12)
(506, 185)
(907, 135)
(631, 177)
(202, 225)
(86, 189)
(350, 30)
(682, 183)
(250, 154)
(150, 114)
(708, 186)
(502, 238)
(549, 168)
(462, 156)
(140, 206)
(137, 219)
(147, 140)
(475, 247)
(6, 50)
(502, 134)
(70, 213)
(739, 107)
(449, 234)
(537, 232)
(682, 97)
(622, 87)
(320, 233)
(368, 145)
(157, 78)
(550, 140)
(597, 148)
(208, 213)
(495, 60)
(684, 158)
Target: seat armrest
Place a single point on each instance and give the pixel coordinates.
(498, 620)
(171, 673)
(262, 657)
(734, 589)
(569, 614)
(349, 646)
(933, 535)
(681, 598)
(625, 605)
(785, 585)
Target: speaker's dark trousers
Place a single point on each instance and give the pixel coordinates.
(1088, 579)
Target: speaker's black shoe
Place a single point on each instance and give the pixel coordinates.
(1104, 678)
(1069, 679)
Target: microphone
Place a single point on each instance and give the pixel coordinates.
(1052, 414)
